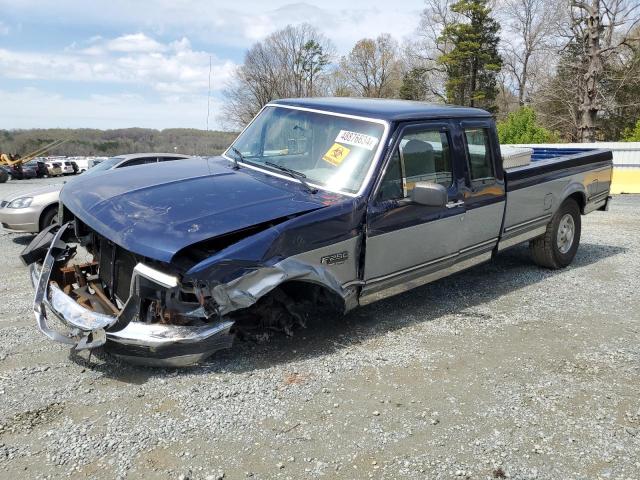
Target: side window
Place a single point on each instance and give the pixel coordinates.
(422, 156)
(391, 186)
(425, 156)
(139, 161)
(479, 154)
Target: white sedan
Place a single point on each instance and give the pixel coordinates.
(31, 212)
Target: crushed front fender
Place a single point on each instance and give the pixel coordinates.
(246, 290)
(121, 334)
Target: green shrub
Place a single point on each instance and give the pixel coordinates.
(521, 127)
(632, 134)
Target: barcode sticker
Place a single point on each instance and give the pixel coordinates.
(357, 139)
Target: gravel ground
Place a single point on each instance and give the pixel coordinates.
(503, 371)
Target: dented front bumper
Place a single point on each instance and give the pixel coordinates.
(143, 343)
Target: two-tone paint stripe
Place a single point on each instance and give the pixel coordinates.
(465, 252)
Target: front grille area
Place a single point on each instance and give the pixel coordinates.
(125, 263)
(3, 204)
(116, 267)
(115, 264)
(107, 249)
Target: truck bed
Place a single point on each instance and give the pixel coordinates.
(535, 191)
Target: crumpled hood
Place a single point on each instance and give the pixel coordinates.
(157, 210)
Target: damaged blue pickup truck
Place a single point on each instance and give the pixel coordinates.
(318, 204)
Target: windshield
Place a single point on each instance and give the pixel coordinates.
(107, 164)
(331, 151)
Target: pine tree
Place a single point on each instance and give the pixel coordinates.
(473, 62)
(310, 62)
(414, 84)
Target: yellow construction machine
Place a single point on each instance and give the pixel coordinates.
(11, 165)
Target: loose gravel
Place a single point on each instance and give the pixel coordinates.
(503, 371)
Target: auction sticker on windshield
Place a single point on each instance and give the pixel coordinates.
(336, 154)
(356, 139)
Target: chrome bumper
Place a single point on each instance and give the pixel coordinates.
(141, 343)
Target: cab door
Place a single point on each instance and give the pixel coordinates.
(483, 192)
(408, 244)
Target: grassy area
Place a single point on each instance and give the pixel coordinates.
(113, 142)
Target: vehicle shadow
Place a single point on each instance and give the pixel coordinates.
(510, 271)
(23, 239)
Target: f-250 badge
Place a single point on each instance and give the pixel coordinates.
(335, 258)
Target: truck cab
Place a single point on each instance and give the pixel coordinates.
(458, 156)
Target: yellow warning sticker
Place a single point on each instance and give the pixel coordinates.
(336, 154)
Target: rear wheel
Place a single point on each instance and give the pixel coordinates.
(559, 244)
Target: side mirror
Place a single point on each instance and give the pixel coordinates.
(429, 194)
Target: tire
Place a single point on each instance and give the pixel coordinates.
(559, 244)
(4, 176)
(49, 217)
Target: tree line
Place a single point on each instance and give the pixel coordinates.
(551, 70)
(88, 142)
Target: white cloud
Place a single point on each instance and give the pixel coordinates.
(342, 22)
(129, 59)
(136, 42)
(236, 24)
(160, 51)
(32, 108)
(347, 23)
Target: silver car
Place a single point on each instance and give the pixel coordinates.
(32, 211)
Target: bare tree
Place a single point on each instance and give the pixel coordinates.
(291, 62)
(531, 28)
(620, 92)
(429, 45)
(301, 54)
(555, 100)
(506, 100)
(558, 98)
(601, 30)
(372, 68)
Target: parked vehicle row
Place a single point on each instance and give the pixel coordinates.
(24, 171)
(40, 169)
(32, 211)
(61, 167)
(85, 163)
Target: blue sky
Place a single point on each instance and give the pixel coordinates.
(124, 63)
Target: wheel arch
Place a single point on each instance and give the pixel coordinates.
(310, 290)
(576, 192)
(44, 211)
(292, 275)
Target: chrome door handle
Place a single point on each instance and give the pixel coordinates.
(459, 203)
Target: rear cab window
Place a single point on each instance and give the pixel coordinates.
(479, 155)
(139, 161)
